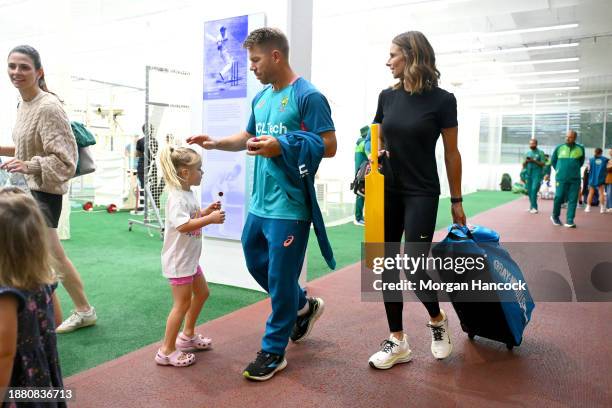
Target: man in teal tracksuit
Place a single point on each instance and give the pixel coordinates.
(276, 231)
(534, 164)
(362, 153)
(567, 159)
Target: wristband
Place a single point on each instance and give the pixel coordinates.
(455, 200)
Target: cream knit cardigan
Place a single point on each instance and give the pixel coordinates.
(44, 141)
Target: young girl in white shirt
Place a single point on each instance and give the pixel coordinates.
(180, 254)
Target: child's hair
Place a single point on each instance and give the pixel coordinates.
(24, 254)
(173, 158)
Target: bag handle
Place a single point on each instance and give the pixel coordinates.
(462, 228)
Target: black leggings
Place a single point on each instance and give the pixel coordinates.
(414, 216)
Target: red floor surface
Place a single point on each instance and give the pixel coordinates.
(565, 359)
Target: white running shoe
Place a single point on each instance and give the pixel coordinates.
(77, 320)
(587, 208)
(441, 345)
(533, 211)
(393, 351)
(602, 209)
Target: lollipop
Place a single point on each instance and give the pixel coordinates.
(220, 195)
(255, 139)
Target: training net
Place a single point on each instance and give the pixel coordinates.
(167, 122)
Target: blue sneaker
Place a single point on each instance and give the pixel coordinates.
(556, 221)
(265, 366)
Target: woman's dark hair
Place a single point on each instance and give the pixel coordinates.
(35, 57)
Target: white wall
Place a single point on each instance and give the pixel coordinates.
(349, 68)
(113, 41)
(97, 40)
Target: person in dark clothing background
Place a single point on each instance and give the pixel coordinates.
(155, 179)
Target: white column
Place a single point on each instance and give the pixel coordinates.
(605, 115)
(533, 115)
(567, 123)
(299, 33)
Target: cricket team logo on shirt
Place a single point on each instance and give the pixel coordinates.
(284, 103)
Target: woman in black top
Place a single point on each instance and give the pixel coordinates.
(412, 115)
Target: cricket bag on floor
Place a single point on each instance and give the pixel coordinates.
(499, 315)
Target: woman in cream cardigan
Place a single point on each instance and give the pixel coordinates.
(45, 152)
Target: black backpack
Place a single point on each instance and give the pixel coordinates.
(506, 182)
(358, 184)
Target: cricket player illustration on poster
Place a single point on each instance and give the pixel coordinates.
(225, 61)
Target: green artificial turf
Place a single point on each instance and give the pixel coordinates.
(121, 271)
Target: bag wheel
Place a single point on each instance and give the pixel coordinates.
(509, 346)
(471, 336)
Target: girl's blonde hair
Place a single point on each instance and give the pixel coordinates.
(173, 158)
(25, 261)
(420, 73)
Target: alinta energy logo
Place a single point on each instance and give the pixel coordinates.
(270, 128)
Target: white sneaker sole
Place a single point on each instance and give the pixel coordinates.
(314, 319)
(397, 360)
(75, 328)
(446, 356)
(266, 377)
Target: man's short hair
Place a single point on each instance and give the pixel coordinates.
(269, 38)
(598, 151)
(574, 132)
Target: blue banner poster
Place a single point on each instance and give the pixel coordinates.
(224, 181)
(225, 61)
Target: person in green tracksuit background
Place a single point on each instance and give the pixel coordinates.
(547, 168)
(534, 164)
(567, 159)
(362, 154)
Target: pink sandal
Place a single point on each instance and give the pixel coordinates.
(197, 342)
(177, 358)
